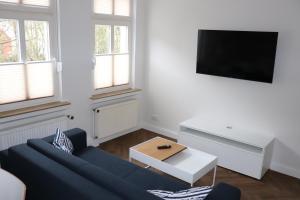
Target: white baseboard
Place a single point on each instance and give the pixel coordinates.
(283, 169)
(159, 130)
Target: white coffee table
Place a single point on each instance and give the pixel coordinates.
(188, 165)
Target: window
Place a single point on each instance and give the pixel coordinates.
(26, 59)
(112, 43)
(44, 3)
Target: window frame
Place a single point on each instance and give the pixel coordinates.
(113, 20)
(23, 13)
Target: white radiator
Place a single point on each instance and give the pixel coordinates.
(113, 119)
(21, 134)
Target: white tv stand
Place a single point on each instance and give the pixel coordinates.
(242, 151)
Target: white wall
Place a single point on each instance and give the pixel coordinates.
(175, 93)
(77, 52)
(76, 48)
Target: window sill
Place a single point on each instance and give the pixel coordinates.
(27, 110)
(114, 94)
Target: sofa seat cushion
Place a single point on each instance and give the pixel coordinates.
(141, 177)
(225, 192)
(149, 180)
(107, 162)
(91, 172)
(46, 179)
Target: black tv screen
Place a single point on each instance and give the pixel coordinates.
(245, 55)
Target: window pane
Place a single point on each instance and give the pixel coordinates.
(103, 72)
(103, 6)
(40, 80)
(9, 44)
(121, 70)
(37, 2)
(10, 1)
(121, 39)
(37, 40)
(102, 39)
(12, 83)
(122, 7)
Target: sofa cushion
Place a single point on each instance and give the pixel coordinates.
(149, 180)
(46, 179)
(198, 193)
(141, 177)
(77, 137)
(107, 161)
(92, 172)
(62, 142)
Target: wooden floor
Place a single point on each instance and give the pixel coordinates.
(273, 186)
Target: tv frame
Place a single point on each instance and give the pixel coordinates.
(234, 77)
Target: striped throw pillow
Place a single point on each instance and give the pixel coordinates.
(197, 193)
(62, 142)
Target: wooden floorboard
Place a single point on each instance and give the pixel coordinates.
(273, 186)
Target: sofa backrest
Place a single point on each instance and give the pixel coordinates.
(46, 179)
(93, 173)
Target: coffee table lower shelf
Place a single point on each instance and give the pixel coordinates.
(189, 165)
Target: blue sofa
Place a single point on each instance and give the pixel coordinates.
(89, 173)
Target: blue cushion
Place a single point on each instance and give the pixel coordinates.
(77, 137)
(141, 177)
(62, 142)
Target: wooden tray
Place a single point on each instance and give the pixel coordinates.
(149, 148)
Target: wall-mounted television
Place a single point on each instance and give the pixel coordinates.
(248, 55)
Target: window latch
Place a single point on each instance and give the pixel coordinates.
(59, 66)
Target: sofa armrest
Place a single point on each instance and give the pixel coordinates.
(77, 137)
(224, 191)
(4, 159)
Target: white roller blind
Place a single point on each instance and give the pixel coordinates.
(103, 6)
(12, 83)
(121, 69)
(103, 72)
(37, 2)
(40, 80)
(122, 7)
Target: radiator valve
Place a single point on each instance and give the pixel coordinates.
(70, 117)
